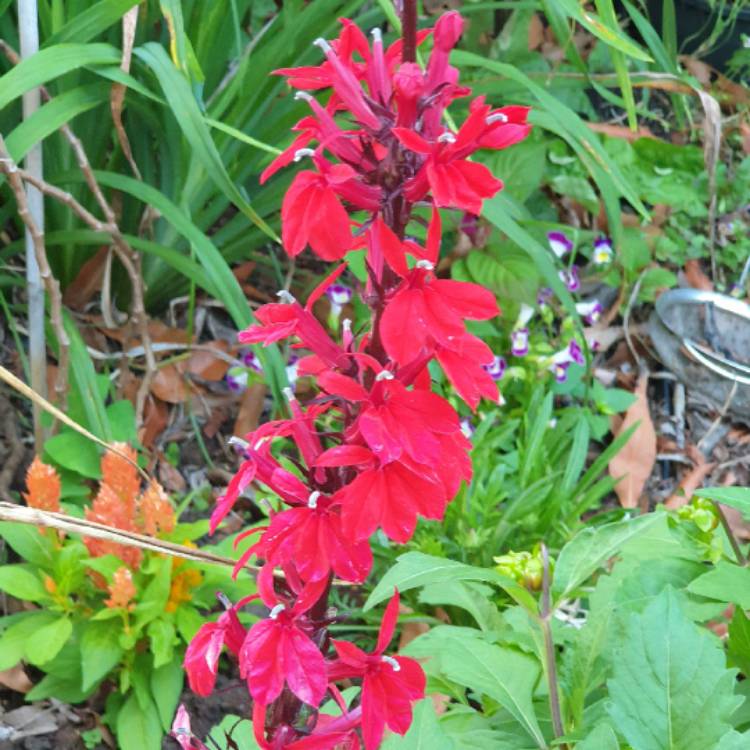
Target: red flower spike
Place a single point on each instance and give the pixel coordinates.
(277, 650)
(390, 685)
(202, 656)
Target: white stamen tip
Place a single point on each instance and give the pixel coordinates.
(239, 442)
(303, 95)
(497, 117)
(301, 153)
(312, 501)
(377, 35)
(425, 264)
(259, 444)
(346, 324)
(323, 44)
(285, 297)
(289, 393)
(394, 664)
(274, 613)
(384, 375)
(446, 138)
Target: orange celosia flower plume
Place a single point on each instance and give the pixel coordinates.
(122, 590)
(43, 485)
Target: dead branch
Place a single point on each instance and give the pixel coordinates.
(16, 183)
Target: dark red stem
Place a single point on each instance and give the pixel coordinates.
(409, 31)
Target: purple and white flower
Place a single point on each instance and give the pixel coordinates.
(236, 379)
(590, 311)
(570, 278)
(250, 360)
(543, 296)
(496, 368)
(602, 251)
(560, 371)
(338, 295)
(559, 243)
(519, 342)
(560, 361)
(291, 370)
(467, 427)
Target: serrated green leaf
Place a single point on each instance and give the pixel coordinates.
(100, 652)
(504, 675)
(20, 582)
(727, 582)
(416, 569)
(590, 549)
(425, 732)
(162, 635)
(671, 689)
(474, 598)
(735, 497)
(601, 738)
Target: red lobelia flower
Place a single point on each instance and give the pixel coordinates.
(390, 684)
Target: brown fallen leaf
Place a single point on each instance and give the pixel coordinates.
(88, 281)
(635, 461)
(695, 277)
(208, 366)
(536, 33)
(620, 131)
(16, 679)
(169, 477)
(692, 480)
(169, 385)
(251, 408)
(155, 419)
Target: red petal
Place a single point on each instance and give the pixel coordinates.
(304, 667)
(412, 140)
(468, 300)
(345, 455)
(388, 623)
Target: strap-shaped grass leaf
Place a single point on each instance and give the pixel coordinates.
(190, 119)
(86, 25)
(671, 689)
(50, 63)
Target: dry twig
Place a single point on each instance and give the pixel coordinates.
(16, 183)
(125, 253)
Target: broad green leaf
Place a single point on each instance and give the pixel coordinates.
(166, 687)
(473, 597)
(416, 569)
(92, 21)
(504, 675)
(234, 733)
(121, 417)
(162, 635)
(734, 741)
(16, 636)
(59, 688)
(46, 642)
(738, 645)
(727, 582)
(27, 542)
(601, 738)
(100, 652)
(735, 497)
(424, 733)
(20, 582)
(74, 452)
(590, 549)
(138, 728)
(183, 105)
(51, 63)
(671, 689)
(48, 118)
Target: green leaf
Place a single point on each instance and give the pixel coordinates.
(504, 675)
(49, 117)
(27, 542)
(735, 497)
(100, 652)
(20, 582)
(670, 689)
(738, 644)
(190, 119)
(138, 728)
(87, 24)
(734, 741)
(590, 549)
(473, 597)
(47, 641)
(75, 452)
(162, 635)
(601, 738)
(166, 688)
(16, 636)
(234, 733)
(55, 686)
(727, 582)
(417, 569)
(51, 63)
(425, 732)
